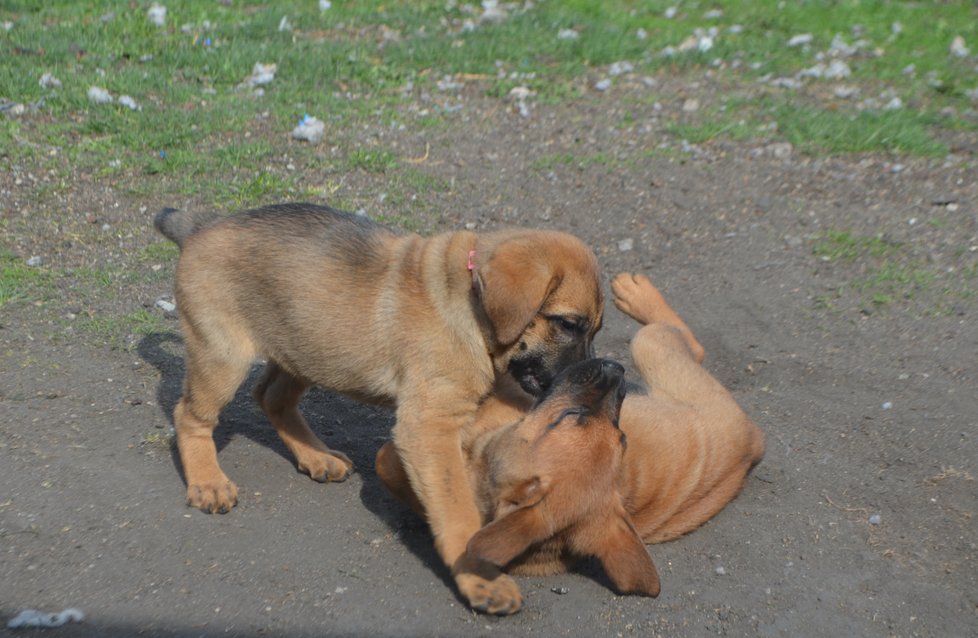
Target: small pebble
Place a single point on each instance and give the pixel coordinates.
(559, 590)
(887, 405)
(99, 95)
(34, 261)
(720, 571)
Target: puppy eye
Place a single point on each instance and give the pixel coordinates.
(568, 324)
(579, 413)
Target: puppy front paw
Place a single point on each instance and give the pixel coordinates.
(486, 588)
(214, 497)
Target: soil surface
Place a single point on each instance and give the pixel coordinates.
(858, 522)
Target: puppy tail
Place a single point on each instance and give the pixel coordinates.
(176, 225)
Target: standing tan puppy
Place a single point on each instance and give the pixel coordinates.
(589, 469)
(425, 325)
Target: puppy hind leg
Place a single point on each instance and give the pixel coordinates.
(209, 385)
(639, 299)
(278, 393)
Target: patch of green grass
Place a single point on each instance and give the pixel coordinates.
(881, 272)
(549, 162)
(828, 132)
(371, 160)
(18, 281)
(114, 330)
(842, 244)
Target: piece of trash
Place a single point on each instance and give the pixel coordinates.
(560, 591)
(34, 261)
(800, 39)
(99, 95)
(129, 103)
(568, 34)
(875, 519)
(309, 129)
(284, 24)
(157, 14)
(720, 571)
(35, 618)
(7, 25)
(48, 81)
(166, 306)
(261, 74)
(162, 155)
(670, 12)
(626, 244)
(325, 5)
(887, 405)
(641, 34)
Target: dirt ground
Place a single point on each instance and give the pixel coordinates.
(858, 522)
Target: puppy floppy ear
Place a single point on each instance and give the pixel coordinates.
(625, 559)
(520, 525)
(513, 287)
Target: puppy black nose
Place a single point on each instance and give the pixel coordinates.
(612, 368)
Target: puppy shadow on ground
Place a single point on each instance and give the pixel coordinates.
(353, 428)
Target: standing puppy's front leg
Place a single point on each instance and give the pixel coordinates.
(430, 448)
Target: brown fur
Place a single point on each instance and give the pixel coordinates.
(549, 493)
(333, 300)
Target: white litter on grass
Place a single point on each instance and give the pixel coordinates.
(34, 618)
(129, 103)
(261, 74)
(325, 5)
(670, 13)
(99, 95)
(310, 129)
(568, 34)
(959, 48)
(157, 14)
(520, 94)
(284, 24)
(800, 39)
(34, 261)
(7, 25)
(48, 81)
(166, 306)
(641, 34)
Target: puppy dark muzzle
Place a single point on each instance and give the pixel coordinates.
(595, 384)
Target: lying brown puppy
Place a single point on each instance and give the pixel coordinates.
(562, 480)
(334, 300)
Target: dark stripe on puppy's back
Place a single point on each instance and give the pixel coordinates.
(351, 238)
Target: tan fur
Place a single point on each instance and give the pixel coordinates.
(689, 449)
(332, 300)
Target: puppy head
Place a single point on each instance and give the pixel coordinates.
(541, 293)
(553, 476)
